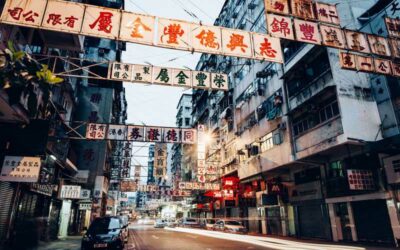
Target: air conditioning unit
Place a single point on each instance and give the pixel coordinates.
(281, 126)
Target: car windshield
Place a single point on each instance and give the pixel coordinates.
(190, 220)
(103, 225)
(233, 223)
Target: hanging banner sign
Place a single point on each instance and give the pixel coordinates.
(179, 77)
(70, 192)
(20, 169)
(85, 206)
(318, 23)
(201, 153)
(160, 160)
(199, 186)
(90, 20)
(368, 64)
(97, 131)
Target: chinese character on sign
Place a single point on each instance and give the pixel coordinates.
(219, 81)
(393, 27)
(171, 135)
(70, 21)
(379, 45)
(153, 134)
(189, 136)
(382, 66)
(364, 63)
(16, 13)
(266, 49)
(103, 22)
(208, 39)
(201, 78)
(237, 41)
(88, 155)
(174, 32)
(54, 19)
(280, 26)
(307, 31)
(142, 73)
(163, 76)
(96, 131)
(395, 46)
(303, 9)
(182, 77)
(139, 28)
(348, 61)
(327, 13)
(396, 69)
(332, 36)
(357, 41)
(135, 133)
(277, 6)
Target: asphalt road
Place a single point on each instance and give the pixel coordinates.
(149, 238)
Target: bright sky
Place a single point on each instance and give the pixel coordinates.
(156, 105)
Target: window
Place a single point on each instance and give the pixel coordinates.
(315, 117)
(335, 170)
(396, 166)
(267, 142)
(187, 121)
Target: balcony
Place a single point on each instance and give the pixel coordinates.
(319, 138)
(322, 81)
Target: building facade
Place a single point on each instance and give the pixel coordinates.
(296, 135)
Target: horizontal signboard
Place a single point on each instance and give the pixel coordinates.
(167, 76)
(97, 131)
(20, 169)
(199, 186)
(90, 20)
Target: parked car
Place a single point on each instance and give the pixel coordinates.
(125, 223)
(189, 222)
(207, 223)
(146, 221)
(231, 226)
(160, 223)
(171, 223)
(104, 233)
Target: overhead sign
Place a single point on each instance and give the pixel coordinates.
(199, 186)
(90, 20)
(132, 186)
(318, 23)
(98, 131)
(20, 169)
(351, 61)
(167, 76)
(70, 192)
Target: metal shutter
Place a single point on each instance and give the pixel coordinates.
(6, 194)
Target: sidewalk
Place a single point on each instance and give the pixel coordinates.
(69, 243)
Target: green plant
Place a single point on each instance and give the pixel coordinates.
(23, 78)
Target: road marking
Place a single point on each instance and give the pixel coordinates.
(155, 237)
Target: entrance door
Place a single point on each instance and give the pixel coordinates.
(372, 221)
(342, 213)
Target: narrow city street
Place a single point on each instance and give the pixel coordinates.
(146, 237)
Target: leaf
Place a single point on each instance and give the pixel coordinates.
(18, 55)
(10, 46)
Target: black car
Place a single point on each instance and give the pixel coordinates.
(104, 233)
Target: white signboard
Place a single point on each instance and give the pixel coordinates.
(199, 186)
(82, 176)
(20, 169)
(62, 15)
(70, 192)
(137, 28)
(101, 21)
(85, 206)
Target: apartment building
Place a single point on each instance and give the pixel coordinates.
(295, 134)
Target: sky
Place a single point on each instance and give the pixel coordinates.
(156, 105)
